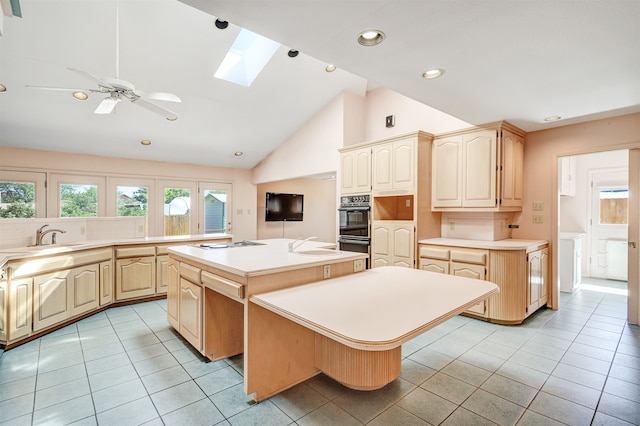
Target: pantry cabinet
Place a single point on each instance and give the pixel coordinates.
(479, 169)
(355, 171)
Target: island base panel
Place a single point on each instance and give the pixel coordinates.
(355, 368)
(223, 326)
(279, 353)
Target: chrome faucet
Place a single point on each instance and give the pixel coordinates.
(40, 234)
(297, 243)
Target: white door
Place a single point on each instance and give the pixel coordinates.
(215, 208)
(608, 222)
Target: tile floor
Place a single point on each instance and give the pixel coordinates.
(125, 366)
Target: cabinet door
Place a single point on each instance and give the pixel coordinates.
(20, 310)
(535, 280)
(161, 273)
(478, 272)
(434, 265)
(84, 293)
(382, 167)
(381, 244)
(403, 164)
(446, 183)
(135, 277)
(512, 186)
(50, 299)
(403, 245)
(355, 171)
(4, 299)
(173, 293)
(479, 169)
(106, 283)
(190, 313)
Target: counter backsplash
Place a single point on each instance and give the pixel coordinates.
(476, 226)
(21, 232)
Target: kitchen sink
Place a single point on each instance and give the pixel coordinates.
(245, 243)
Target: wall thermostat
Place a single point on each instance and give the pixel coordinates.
(391, 120)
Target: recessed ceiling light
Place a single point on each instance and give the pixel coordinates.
(3, 88)
(220, 24)
(145, 142)
(293, 53)
(238, 153)
(370, 37)
(81, 96)
(172, 118)
(432, 73)
(553, 118)
(330, 68)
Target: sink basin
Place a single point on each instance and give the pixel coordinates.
(318, 252)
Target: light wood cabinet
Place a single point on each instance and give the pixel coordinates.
(84, 289)
(106, 282)
(393, 244)
(20, 309)
(135, 272)
(4, 305)
(162, 262)
(173, 292)
(190, 309)
(469, 263)
(394, 166)
(521, 274)
(355, 171)
(478, 169)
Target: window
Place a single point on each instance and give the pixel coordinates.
(22, 194)
(78, 200)
(215, 205)
(132, 200)
(614, 206)
(177, 210)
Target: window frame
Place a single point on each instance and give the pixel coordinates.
(40, 181)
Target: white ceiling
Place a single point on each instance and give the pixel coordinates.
(504, 59)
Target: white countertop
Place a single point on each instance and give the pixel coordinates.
(379, 308)
(271, 257)
(507, 244)
(48, 250)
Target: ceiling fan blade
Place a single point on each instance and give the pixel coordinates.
(169, 115)
(158, 96)
(92, 77)
(107, 105)
(64, 89)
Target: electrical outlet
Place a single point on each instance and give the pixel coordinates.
(407, 203)
(538, 206)
(327, 271)
(358, 265)
(538, 218)
(82, 230)
(452, 226)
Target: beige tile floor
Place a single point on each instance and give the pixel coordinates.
(126, 366)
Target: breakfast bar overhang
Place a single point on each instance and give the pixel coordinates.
(351, 328)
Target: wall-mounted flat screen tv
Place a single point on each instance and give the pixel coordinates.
(284, 207)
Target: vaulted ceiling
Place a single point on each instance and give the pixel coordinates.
(516, 60)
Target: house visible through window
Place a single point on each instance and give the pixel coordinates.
(132, 200)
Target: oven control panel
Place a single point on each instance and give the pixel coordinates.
(354, 200)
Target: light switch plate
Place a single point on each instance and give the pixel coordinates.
(390, 121)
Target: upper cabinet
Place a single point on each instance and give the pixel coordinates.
(394, 165)
(355, 171)
(478, 169)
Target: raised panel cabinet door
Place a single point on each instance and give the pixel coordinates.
(403, 246)
(161, 273)
(381, 239)
(378, 261)
(479, 169)
(534, 280)
(106, 282)
(20, 318)
(85, 289)
(544, 276)
(347, 172)
(173, 293)
(50, 299)
(135, 277)
(191, 313)
(478, 272)
(362, 172)
(382, 167)
(404, 164)
(434, 265)
(512, 191)
(3, 311)
(446, 183)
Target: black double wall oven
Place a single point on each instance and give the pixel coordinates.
(355, 224)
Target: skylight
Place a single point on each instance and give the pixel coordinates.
(245, 59)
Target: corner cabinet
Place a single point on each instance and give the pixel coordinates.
(522, 275)
(478, 169)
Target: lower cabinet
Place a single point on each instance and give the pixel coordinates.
(173, 292)
(393, 244)
(135, 272)
(4, 305)
(20, 309)
(106, 282)
(190, 312)
(523, 277)
(162, 262)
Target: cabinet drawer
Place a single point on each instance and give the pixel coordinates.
(224, 286)
(478, 257)
(160, 250)
(191, 273)
(434, 252)
(135, 252)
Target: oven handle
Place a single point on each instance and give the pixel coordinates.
(354, 208)
(360, 242)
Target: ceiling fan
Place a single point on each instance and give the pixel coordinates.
(117, 89)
